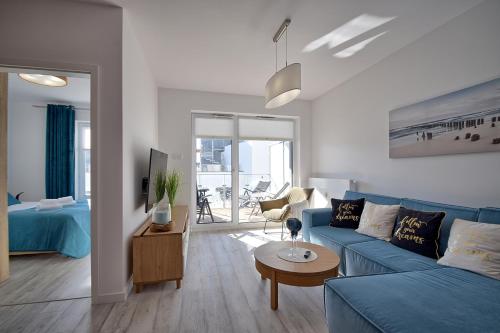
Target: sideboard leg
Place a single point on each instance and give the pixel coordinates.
(178, 282)
(138, 288)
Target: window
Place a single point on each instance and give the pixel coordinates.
(82, 160)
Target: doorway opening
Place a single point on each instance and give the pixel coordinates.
(48, 185)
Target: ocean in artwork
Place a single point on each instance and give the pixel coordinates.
(464, 121)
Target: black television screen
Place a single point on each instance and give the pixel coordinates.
(157, 162)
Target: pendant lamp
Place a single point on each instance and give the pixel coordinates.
(285, 85)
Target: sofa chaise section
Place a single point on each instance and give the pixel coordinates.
(438, 300)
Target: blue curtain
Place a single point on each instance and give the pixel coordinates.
(60, 151)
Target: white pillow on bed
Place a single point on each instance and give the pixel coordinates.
(66, 201)
(474, 246)
(378, 220)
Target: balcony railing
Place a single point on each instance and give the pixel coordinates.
(217, 185)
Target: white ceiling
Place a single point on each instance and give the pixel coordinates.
(76, 93)
(226, 45)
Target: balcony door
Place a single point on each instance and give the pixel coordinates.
(238, 161)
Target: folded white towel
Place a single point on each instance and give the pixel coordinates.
(48, 204)
(48, 201)
(66, 200)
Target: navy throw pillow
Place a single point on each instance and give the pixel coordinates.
(418, 231)
(11, 200)
(346, 213)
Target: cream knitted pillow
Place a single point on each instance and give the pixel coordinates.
(378, 220)
(475, 247)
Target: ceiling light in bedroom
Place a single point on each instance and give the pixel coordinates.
(285, 85)
(45, 80)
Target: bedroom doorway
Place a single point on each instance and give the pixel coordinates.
(45, 174)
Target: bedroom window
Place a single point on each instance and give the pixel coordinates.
(83, 160)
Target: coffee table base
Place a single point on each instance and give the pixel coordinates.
(299, 280)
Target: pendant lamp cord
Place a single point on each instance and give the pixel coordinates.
(286, 46)
(276, 49)
(276, 57)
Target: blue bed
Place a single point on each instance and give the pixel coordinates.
(65, 230)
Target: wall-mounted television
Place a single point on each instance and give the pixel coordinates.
(157, 162)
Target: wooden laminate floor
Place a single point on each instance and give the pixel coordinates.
(45, 277)
(221, 292)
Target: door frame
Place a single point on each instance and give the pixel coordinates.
(94, 72)
(4, 222)
(234, 223)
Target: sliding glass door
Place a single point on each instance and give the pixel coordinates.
(259, 166)
(214, 141)
(265, 163)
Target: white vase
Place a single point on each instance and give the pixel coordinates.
(162, 213)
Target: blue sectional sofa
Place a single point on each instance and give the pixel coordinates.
(389, 289)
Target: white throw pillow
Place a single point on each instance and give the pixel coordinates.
(475, 247)
(378, 220)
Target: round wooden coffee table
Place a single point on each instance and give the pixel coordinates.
(308, 274)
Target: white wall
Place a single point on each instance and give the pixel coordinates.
(174, 125)
(26, 148)
(69, 35)
(351, 123)
(140, 117)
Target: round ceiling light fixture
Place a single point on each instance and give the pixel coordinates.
(45, 80)
(285, 85)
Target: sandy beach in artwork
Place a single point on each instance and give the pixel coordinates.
(448, 143)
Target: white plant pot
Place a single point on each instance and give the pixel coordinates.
(162, 213)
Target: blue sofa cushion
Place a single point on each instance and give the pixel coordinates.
(446, 300)
(375, 198)
(489, 215)
(313, 218)
(452, 212)
(378, 256)
(336, 239)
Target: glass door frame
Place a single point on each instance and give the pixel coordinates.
(235, 186)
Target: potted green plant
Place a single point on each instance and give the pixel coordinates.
(160, 185)
(172, 184)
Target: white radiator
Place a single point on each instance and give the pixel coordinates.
(327, 188)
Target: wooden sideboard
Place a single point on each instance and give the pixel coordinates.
(161, 256)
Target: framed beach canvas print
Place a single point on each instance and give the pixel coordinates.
(461, 122)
